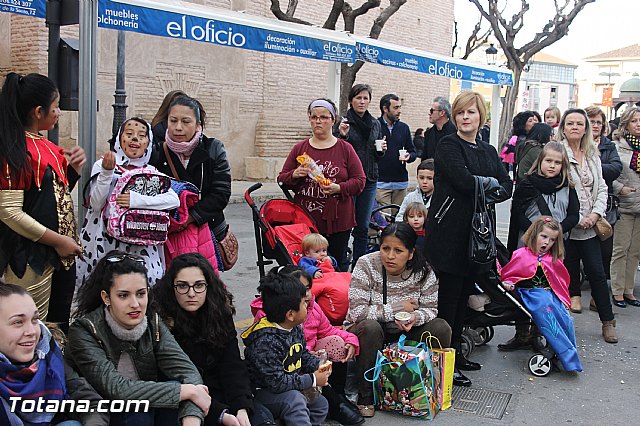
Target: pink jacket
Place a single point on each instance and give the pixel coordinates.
(316, 326)
(523, 265)
(193, 238)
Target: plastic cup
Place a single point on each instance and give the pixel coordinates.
(403, 154)
(379, 144)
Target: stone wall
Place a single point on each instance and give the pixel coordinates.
(256, 103)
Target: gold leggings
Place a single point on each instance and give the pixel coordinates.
(38, 286)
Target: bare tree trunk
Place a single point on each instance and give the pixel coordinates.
(509, 106)
(347, 79)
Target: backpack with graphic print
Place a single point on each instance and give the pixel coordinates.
(138, 226)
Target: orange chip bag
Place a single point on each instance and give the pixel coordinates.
(314, 170)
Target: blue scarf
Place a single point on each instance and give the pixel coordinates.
(42, 378)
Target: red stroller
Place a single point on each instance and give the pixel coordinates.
(279, 226)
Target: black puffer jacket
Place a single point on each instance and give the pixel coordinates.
(209, 170)
(610, 159)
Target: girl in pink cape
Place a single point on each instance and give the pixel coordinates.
(537, 273)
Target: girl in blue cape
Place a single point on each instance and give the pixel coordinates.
(537, 273)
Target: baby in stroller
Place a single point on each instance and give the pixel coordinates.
(538, 276)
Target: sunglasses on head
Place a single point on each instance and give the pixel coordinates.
(115, 258)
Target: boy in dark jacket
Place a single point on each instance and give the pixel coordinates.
(280, 367)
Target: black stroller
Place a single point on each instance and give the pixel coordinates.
(502, 308)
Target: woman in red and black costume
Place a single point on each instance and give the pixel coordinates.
(38, 235)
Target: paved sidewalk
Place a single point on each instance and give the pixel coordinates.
(269, 190)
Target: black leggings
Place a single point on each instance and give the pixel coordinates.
(338, 244)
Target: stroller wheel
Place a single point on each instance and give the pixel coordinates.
(467, 345)
(485, 334)
(539, 365)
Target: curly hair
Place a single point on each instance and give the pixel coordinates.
(213, 322)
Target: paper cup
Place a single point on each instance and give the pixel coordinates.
(403, 317)
(379, 144)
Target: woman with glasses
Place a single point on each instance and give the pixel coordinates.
(123, 352)
(199, 310)
(329, 202)
(611, 170)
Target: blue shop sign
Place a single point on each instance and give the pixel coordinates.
(128, 17)
(433, 66)
(35, 8)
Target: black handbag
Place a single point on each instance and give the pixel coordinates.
(482, 240)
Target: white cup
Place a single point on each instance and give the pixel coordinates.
(403, 154)
(379, 144)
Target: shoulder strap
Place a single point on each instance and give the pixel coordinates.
(170, 162)
(384, 286)
(542, 205)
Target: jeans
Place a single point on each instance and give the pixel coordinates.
(591, 255)
(364, 205)
(292, 407)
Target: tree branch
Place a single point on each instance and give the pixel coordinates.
(455, 37)
(384, 16)
(291, 8)
(474, 42)
(277, 11)
(332, 19)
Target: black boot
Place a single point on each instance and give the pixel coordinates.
(341, 409)
(460, 379)
(522, 339)
(463, 363)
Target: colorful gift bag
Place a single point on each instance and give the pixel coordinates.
(442, 362)
(403, 380)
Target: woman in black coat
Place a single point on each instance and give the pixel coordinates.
(361, 129)
(459, 157)
(199, 160)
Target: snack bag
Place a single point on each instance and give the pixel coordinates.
(315, 172)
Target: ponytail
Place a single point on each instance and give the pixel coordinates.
(20, 95)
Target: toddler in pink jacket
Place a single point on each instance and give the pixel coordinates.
(339, 344)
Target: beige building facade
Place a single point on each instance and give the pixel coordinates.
(255, 102)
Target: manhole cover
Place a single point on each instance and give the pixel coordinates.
(483, 403)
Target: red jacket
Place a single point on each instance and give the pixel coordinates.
(193, 238)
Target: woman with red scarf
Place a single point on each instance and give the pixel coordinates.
(38, 237)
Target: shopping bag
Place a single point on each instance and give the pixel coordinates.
(443, 362)
(403, 381)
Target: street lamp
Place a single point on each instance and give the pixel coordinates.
(120, 95)
(492, 54)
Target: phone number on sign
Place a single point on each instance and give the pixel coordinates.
(42, 405)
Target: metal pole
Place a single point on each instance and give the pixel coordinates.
(119, 107)
(88, 99)
(333, 82)
(496, 108)
(53, 22)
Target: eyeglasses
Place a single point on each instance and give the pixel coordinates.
(115, 258)
(183, 288)
(323, 118)
(432, 109)
(596, 123)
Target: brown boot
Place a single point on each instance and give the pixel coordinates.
(522, 339)
(609, 331)
(576, 304)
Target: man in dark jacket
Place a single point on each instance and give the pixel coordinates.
(393, 178)
(440, 118)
